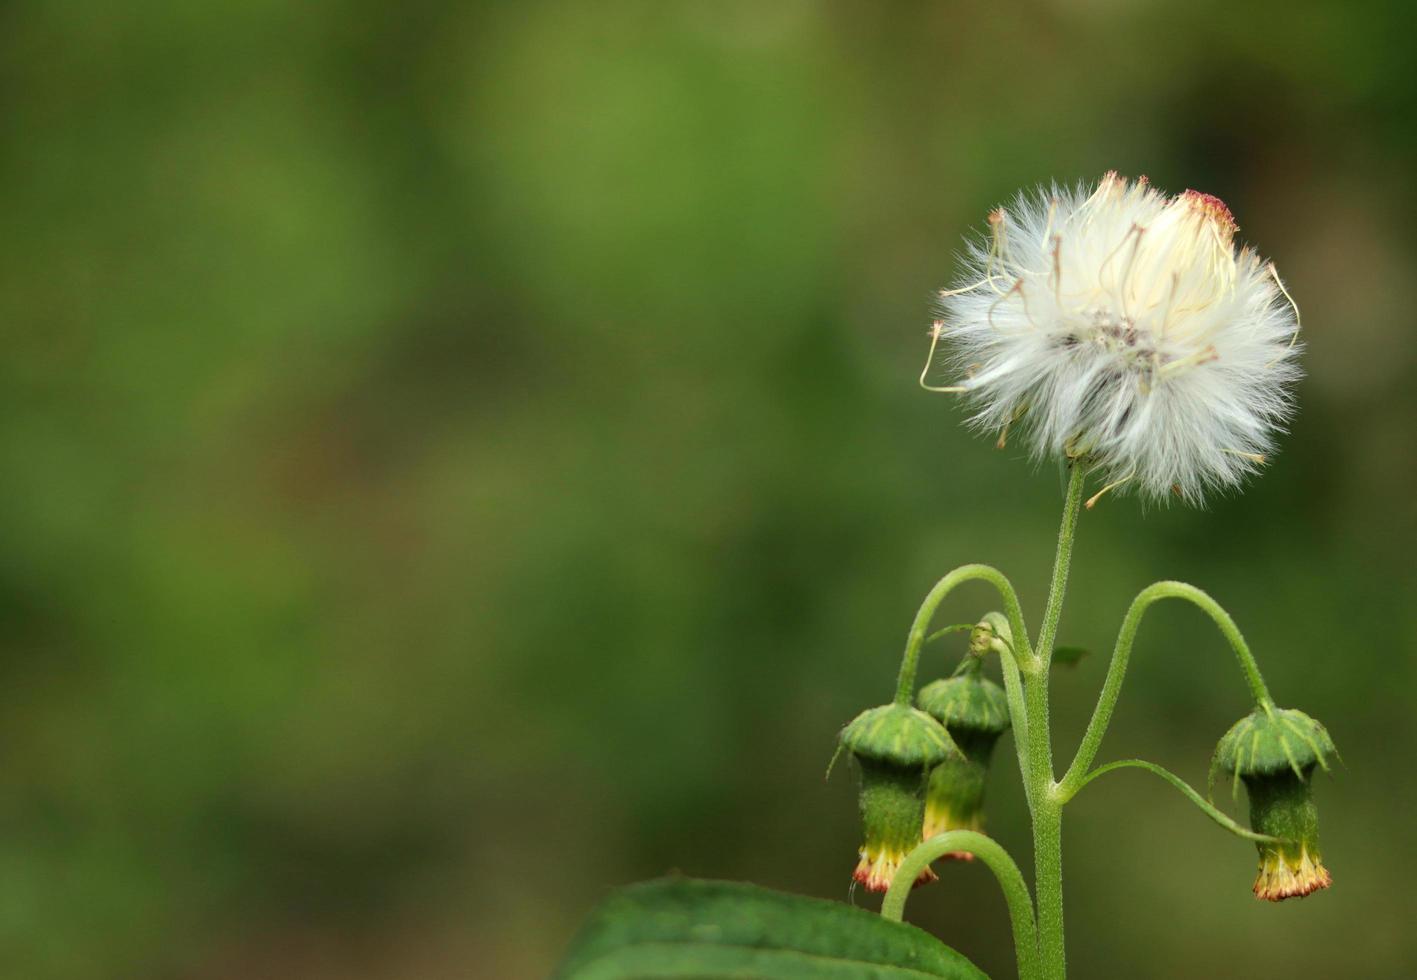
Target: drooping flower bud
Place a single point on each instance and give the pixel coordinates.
(975, 711)
(895, 747)
(1274, 751)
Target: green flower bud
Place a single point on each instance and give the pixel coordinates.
(975, 711)
(894, 746)
(1274, 752)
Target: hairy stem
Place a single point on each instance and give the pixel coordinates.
(1046, 809)
(1013, 690)
(997, 860)
(1062, 560)
(1116, 672)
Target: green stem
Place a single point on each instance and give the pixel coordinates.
(1046, 808)
(905, 684)
(1048, 883)
(1116, 672)
(1062, 560)
(1013, 690)
(1186, 790)
(997, 860)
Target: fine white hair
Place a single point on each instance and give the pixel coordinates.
(1121, 326)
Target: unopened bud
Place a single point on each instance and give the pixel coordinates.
(975, 711)
(1274, 752)
(895, 746)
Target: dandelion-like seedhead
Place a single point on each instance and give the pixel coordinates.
(1124, 326)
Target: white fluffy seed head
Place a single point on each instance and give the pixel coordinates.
(1120, 325)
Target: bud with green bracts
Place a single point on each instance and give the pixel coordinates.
(895, 746)
(1274, 751)
(975, 711)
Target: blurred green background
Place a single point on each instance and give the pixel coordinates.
(461, 458)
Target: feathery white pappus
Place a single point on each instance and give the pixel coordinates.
(1125, 326)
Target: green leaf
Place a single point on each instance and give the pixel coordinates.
(686, 927)
(1069, 656)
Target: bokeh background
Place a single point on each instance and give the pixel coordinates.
(461, 458)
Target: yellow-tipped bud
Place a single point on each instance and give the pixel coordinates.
(1274, 752)
(975, 711)
(895, 746)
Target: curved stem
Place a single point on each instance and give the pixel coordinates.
(1189, 793)
(905, 683)
(1013, 690)
(997, 860)
(1121, 654)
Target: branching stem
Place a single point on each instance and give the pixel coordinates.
(1038, 928)
(1046, 808)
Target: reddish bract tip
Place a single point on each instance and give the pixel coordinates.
(1278, 881)
(876, 875)
(1212, 207)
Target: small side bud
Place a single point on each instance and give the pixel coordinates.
(975, 712)
(1274, 752)
(895, 746)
